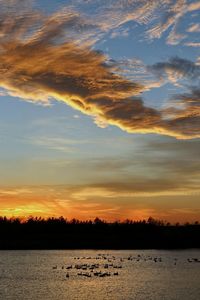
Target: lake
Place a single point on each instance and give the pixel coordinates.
(102, 274)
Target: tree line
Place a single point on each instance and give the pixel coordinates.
(60, 233)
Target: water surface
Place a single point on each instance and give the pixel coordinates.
(142, 274)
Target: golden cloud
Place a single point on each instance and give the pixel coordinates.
(41, 58)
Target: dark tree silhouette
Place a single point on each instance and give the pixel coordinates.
(60, 233)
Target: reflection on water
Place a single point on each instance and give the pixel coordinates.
(88, 274)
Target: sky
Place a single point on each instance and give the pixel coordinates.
(100, 109)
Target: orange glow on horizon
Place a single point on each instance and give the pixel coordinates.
(89, 203)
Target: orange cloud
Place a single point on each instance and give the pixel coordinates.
(40, 60)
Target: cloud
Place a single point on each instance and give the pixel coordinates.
(194, 28)
(55, 143)
(175, 69)
(185, 107)
(157, 17)
(170, 17)
(191, 102)
(175, 37)
(194, 6)
(172, 14)
(2, 93)
(174, 165)
(192, 44)
(42, 58)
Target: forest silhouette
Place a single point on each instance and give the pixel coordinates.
(59, 233)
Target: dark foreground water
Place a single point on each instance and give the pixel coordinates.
(146, 275)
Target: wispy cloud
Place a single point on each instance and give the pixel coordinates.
(194, 28)
(192, 44)
(54, 143)
(171, 15)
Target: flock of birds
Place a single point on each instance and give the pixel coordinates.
(108, 265)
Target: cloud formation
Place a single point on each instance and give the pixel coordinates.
(192, 44)
(157, 17)
(191, 101)
(170, 16)
(176, 68)
(194, 28)
(44, 57)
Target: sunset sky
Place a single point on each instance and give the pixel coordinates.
(100, 109)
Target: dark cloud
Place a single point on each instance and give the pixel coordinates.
(185, 111)
(191, 99)
(156, 167)
(176, 68)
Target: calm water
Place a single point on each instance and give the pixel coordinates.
(147, 275)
